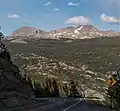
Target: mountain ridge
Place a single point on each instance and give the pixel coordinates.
(78, 32)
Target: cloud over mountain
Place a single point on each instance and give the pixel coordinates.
(78, 20)
(109, 19)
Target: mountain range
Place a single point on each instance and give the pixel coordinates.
(42, 54)
(79, 32)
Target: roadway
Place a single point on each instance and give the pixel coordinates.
(62, 104)
(76, 105)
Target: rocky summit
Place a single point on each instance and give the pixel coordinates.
(79, 32)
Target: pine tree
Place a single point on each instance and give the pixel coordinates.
(29, 80)
(113, 97)
(73, 87)
(3, 49)
(66, 90)
(113, 94)
(24, 77)
(1, 36)
(47, 88)
(55, 88)
(38, 90)
(49, 80)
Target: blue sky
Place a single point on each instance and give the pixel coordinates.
(52, 14)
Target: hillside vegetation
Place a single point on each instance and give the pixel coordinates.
(89, 61)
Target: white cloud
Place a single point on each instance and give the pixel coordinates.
(56, 9)
(11, 15)
(110, 19)
(78, 20)
(110, 5)
(47, 3)
(73, 4)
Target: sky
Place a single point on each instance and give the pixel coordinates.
(55, 14)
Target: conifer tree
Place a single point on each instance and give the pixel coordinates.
(66, 90)
(29, 80)
(1, 36)
(24, 77)
(3, 49)
(113, 97)
(55, 88)
(113, 93)
(38, 90)
(47, 88)
(73, 87)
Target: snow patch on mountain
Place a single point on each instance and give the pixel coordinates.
(79, 32)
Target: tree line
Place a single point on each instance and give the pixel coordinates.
(51, 87)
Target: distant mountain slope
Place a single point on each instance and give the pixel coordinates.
(27, 32)
(79, 32)
(86, 28)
